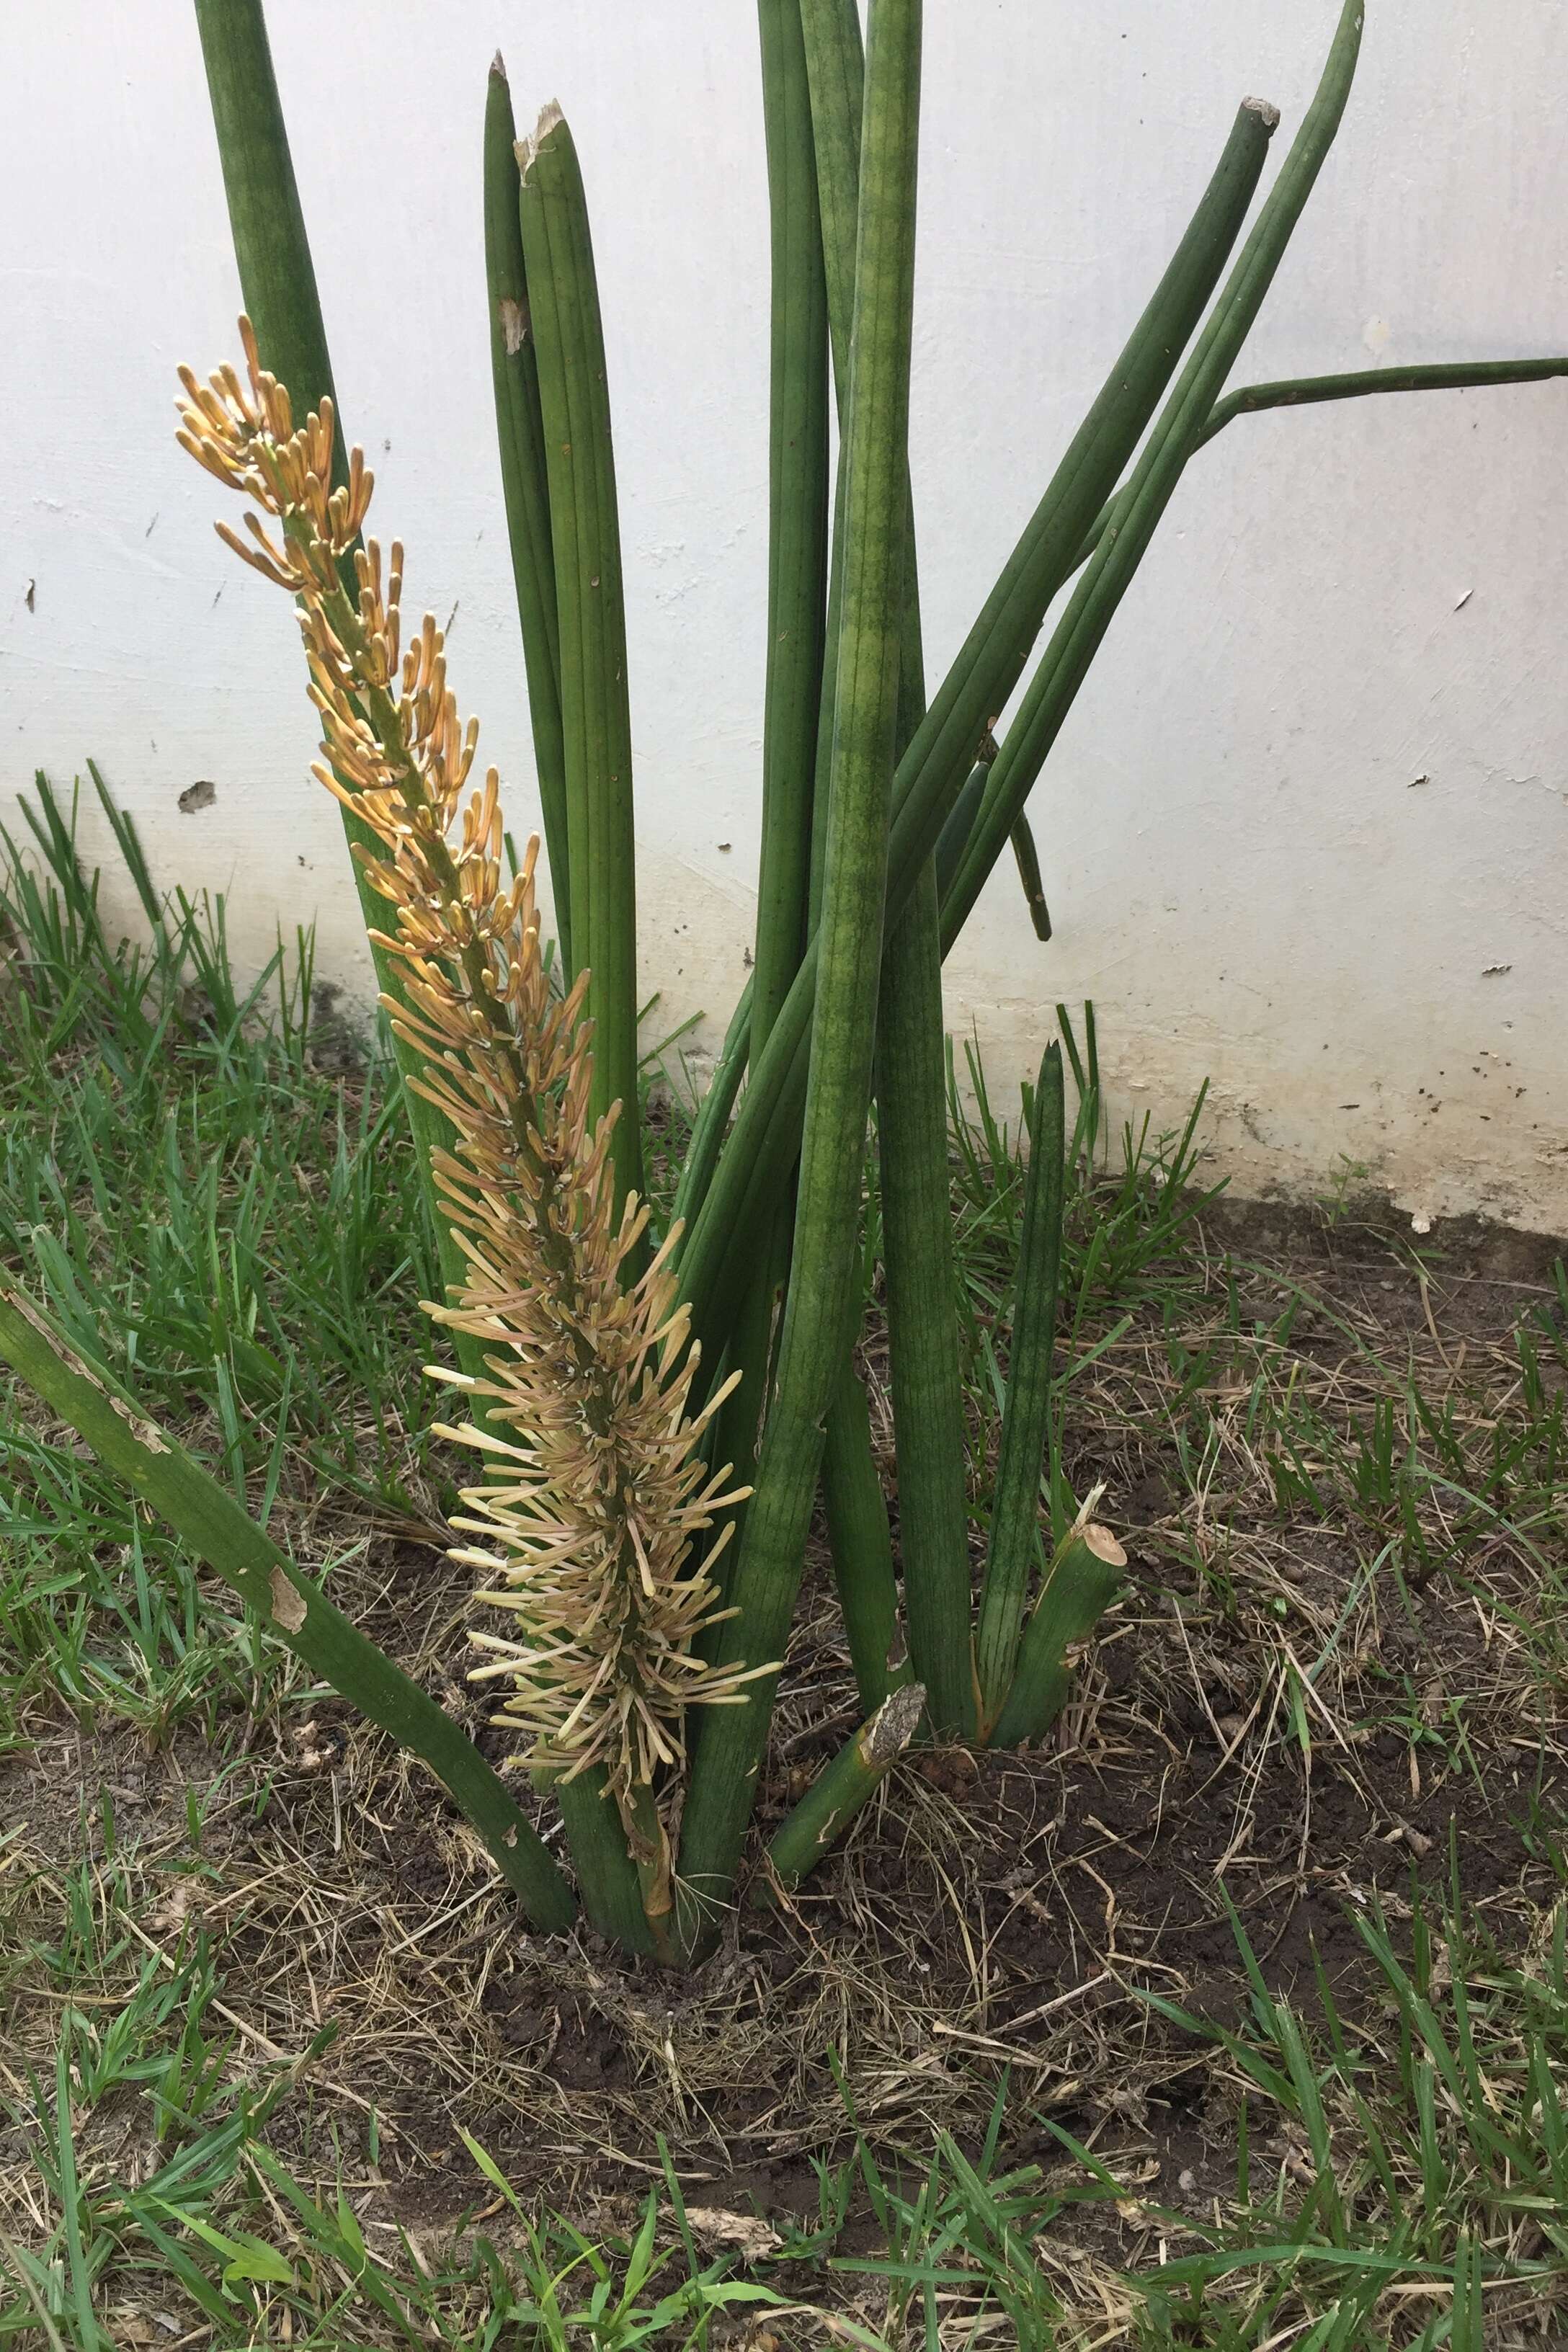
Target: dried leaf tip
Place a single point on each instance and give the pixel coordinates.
(550, 119)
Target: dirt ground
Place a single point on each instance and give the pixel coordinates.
(1277, 1718)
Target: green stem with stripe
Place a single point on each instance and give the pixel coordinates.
(819, 1311)
(921, 1290)
(855, 1510)
(911, 1101)
(797, 565)
(861, 1542)
(797, 536)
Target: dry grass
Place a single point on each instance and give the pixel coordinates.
(1297, 1711)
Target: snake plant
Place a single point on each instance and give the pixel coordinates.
(655, 1414)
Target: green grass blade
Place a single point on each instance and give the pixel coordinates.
(122, 824)
(293, 1609)
(90, 2336)
(525, 486)
(595, 712)
(1025, 1417)
(819, 1313)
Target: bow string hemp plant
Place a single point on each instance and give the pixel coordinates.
(633, 1596)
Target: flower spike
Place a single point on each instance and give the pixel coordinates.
(594, 1495)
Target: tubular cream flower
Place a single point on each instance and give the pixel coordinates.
(594, 1494)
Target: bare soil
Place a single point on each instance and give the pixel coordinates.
(1266, 1724)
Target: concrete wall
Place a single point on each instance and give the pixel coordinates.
(1306, 832)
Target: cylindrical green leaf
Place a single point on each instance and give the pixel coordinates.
(1026, 1413)
(596, 715)
(1027, 859)
(798, 522)
(797, 560)
(1358, 383)
(860, 1542)
(758, 1158)
(525, 485)
(927, 1408)
(836, 71)
(278, 279)
(955, 832)
(208, 1519)
(818, 1315)
(1081, 630)
(838, 1794)
(711, 1123)
(921, 1289)
(277, 274)
(1081, 1584)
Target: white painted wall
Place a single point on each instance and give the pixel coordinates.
(1245, 870)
